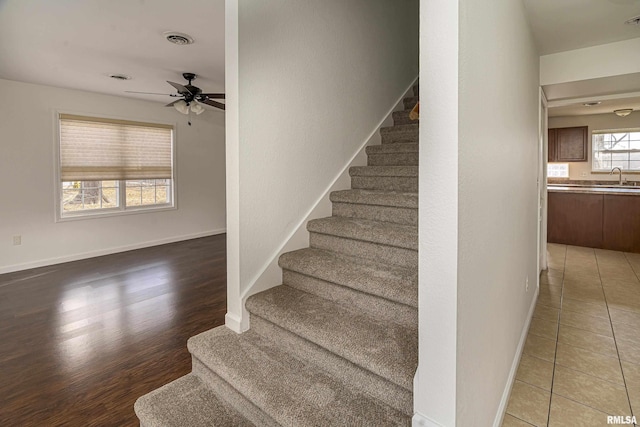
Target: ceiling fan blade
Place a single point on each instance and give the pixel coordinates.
(213, 103)
(181, 89)
(213, 95)
(171, 104)
(151, 93)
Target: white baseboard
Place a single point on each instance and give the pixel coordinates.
(270, 273)
(420, 420)
(514, 365)
(107, 251)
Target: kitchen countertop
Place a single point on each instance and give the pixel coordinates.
(594, 189)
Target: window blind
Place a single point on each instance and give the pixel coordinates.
(95, 149)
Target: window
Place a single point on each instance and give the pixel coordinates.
(113, 166)
(558, 170)
(616, 148)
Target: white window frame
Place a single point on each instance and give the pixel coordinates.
(601, 131)
(121, 209)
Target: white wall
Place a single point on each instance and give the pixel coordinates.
(478, 212)
(27, 179)
(315, 79)
(612, 59)
(582, 170)
(497, 201)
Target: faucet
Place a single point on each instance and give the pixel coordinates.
(620, 172)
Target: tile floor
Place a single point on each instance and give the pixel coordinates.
(581, 360)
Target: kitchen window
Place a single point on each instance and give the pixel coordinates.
(616, 148)
(113, 166)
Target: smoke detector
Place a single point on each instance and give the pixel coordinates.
(178, 38)
(120, 76)
(633, 21)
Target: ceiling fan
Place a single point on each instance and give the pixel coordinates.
(191, 97)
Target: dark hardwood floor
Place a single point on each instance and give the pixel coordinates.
(81, 341)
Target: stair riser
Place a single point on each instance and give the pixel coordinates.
(400, 137)
(393, 159)
(392, 148)
(409, 103)
(377, 213)
(402, 118)
(373, 251)
(349, 373)
(390, 183)
(382, 308)
(230, 395)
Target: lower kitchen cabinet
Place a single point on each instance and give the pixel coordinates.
(621, 230)
(575, 219)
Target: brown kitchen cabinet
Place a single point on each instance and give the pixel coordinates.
(621, 230)
(575, 219)
(568, 144)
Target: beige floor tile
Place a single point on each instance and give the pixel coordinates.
(621, 275)
(529, 403)
(596, 309)
(631, 373)
(543, 328)
(625, 317)
(535, 372)
(551, 280)
(511, 421)
(567, 413)
(554, 272)
(546, 313)
(626, 333)
(631, 287)
(598, 365)
(597, 325)
(634, 398)
(580, 274)
(587, 294)
(539, 347)
(587, 340)
(590, 391)
(549, 301)
(623, 299)
(629, 351)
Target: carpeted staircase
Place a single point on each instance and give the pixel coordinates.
(336, 344)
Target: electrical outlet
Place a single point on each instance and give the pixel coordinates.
(17, 240)
(526, 284)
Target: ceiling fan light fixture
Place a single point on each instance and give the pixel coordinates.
(633, 21)
(592, 104)
(182, 107)
(180, 39)
(623, 112)
(197, 108)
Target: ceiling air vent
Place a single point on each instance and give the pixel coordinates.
(178, 38)
(633, 21)
(120, 76)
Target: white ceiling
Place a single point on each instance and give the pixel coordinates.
(606, 107)
(78, 43)
(560, 25)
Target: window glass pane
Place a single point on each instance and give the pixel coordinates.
(134, 193)
(616, 149)
(78, 196)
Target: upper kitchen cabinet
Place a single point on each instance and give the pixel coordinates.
(568, 144)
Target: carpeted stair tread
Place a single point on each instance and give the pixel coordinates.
(400, 134)
(408, 171)
(410, 102)
(291, 391)
(402, 118)
(377, 198)
(393, 283)
(385, 233)
(406, 147)
(386, 349)
(186, 401)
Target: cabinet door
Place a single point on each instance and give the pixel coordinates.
(621, 226)
(575, 219)
(571, 144)
(551, 139)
